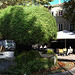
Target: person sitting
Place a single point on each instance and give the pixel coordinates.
(2, 48)
(70, 50)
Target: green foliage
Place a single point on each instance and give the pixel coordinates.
(29, 62)
(26, 62)
(34, 66)
(0, 35)
(27, 56)
(27, 26)
(31, 66)
(44, 51)
(69, 10)
(48, 62)
(49, 51)
(5, 3)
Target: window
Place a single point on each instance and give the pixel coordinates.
(60, 27)
(60, 13)
(52, 13)
(72, 27)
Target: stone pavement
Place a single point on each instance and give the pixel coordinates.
(72, 71)
(6, 60)
(69, 72)
(70, 57)
(7, 54)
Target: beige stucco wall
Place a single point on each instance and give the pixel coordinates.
(60, 19)
(65, 23)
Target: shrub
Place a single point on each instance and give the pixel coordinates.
(27, 26)
(34, 66)
(30, 62)
(50, 51)
(48, 62)
(44, 51)
(27, 56)
(28, 68)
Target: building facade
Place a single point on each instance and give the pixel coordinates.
(57, 11)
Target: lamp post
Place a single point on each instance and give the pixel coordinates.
(65, 43)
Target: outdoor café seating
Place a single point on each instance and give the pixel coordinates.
(64, 51)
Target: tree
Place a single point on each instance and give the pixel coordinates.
(5, 3)
(69, 10)
(27, 26)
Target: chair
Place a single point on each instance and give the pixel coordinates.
(64, 51)
(61, 51)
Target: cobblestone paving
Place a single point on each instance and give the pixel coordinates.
(70, 72)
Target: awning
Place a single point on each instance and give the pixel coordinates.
(65, 35)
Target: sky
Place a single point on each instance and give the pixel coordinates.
(56, 2)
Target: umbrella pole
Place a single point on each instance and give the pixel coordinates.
(65, 43)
